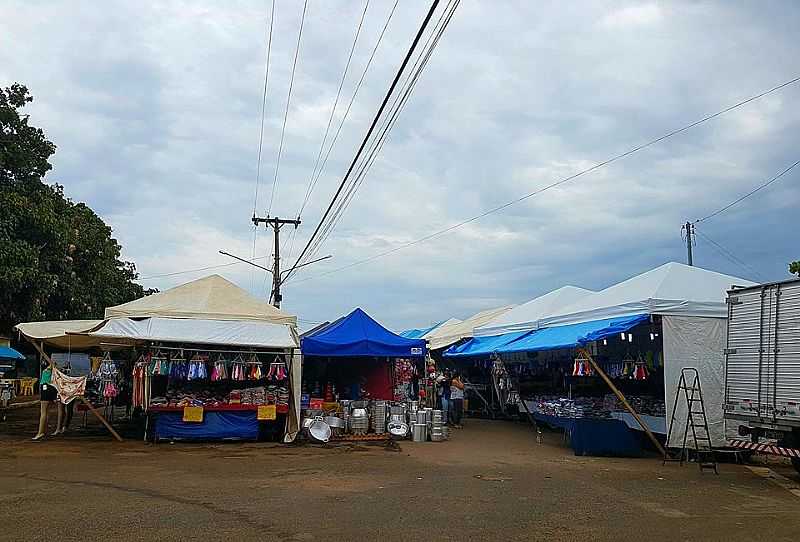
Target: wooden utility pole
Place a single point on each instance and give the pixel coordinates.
(276, 224)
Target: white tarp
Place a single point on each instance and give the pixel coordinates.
(699, 343)
(671, 289)
(180, 330)
(526, 317)
(209, 298)
(295, 380)
(453, 331)
(57, 333)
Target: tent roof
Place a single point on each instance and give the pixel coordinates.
(671, 289)
(55, 333)
(209, 298)
(6, 352)
(358, 335)
(182, 330)
(526, 316)
(418, 333)
(452, 332)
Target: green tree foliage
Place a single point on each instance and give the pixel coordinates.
(57, 258)
(794, 268)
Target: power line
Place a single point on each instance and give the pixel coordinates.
(560, 182)
(264, 106)
(728, 255)
(369, 132)
(220, 266)
(759, 188)
(286, 112)
(349, 106)
(333, 109)
(389, 122)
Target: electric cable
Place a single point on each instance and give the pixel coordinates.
(758, 189)
(286, 112)
(565, 180)
(369, 132)
(728, 255)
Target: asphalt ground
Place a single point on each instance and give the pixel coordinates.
(491, 481)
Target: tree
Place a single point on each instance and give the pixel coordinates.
(794, 268)
(58, 259)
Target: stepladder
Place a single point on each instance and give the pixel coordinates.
(696, 439)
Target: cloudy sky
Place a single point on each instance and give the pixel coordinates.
(156, 109)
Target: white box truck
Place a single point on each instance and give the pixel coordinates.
(762, 369)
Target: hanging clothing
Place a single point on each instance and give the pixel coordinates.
(69, 387)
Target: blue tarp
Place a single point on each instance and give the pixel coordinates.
(419, 333)
(549, 338)
(477, 346)
(358, 335)
(6, 352)
(215, 426)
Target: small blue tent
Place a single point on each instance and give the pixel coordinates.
(358, 335)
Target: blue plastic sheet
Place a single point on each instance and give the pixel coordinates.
(478, 346)
(6, 352)
(572, 335)
(358, 335)
(549, 338)
(240, 425)
(419, 332)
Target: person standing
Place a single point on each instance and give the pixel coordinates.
(444, 387)
(47, 394)
(456, 400)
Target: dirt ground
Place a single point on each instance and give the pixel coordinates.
(491, 481)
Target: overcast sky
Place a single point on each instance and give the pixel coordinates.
(155, 108)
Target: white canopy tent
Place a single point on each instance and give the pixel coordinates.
(59, 334)
(671, 289)
(454, 330)
(526, 317)
(691, 303)
(212, 298)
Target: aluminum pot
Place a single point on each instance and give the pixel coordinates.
(307, 422)
(398, 429)
(420, 432)
(319, 430)
(334, 422)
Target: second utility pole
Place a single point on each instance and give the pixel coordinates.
(276, 224)
(689, 227)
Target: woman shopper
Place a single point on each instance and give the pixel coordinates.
(47, 395)
(444, 386)
(456, 400)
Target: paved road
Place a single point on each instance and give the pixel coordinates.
(492, 481)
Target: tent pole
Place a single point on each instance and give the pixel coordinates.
(621, 397)
(82, 398)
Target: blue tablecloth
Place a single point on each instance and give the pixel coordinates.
(239, 425)
(593, 436)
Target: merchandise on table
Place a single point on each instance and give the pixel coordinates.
(596, 407)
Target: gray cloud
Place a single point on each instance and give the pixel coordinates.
(155, 109)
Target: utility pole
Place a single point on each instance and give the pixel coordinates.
(689, 229)
(276, 224)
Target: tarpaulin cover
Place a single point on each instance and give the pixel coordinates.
(6, 352)
(699, 343)
(572, 335)
(478, 346)
(243, 333)
(454, 330)
(215, 426)
(358, 335)
(547, 338)
(419, 333)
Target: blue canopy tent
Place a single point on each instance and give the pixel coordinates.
(9, 354)
(358, 335)
(418, 333)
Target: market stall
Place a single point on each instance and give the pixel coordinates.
(204, 360)
(356, 358)
(641, 333)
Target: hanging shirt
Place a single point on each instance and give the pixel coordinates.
(47, 375)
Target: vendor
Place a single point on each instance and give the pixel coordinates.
(47, 394)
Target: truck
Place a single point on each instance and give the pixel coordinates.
(762, 369)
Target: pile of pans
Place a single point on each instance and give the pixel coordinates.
(359, 421)
(439, 430)
(379, 409)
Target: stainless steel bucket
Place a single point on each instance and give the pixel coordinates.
(419, 432)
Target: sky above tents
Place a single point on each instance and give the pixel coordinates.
(155, 108)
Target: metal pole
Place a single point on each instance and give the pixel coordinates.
(276, 268)
(689, 229)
